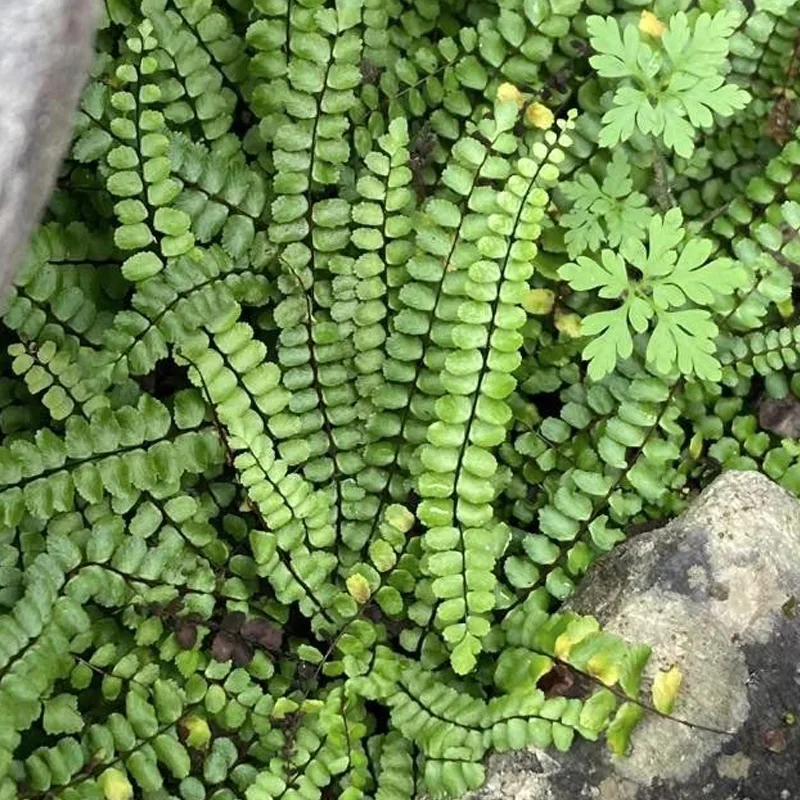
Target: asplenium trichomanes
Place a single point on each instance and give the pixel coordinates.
(298, 455)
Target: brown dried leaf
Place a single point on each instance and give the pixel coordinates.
(242, 653)
(557, 682)
(781, 417)
(186, 635)
(222, 646)
(174, 607)
(263, 633)
(233, 621)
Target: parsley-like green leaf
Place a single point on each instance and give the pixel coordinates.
(671, 283)
(617, 57)
(669, 92)
(612, 341)
(685, 338)
(623, 213)
(619, 122)
(704, 48)
(694, 279)
(609, 276)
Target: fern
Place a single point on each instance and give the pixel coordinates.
(356, 332)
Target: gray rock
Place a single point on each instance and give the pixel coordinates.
(715, 592)
(45, 51)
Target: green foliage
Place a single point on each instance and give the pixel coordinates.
(357, 330)
(667, 91)
(609, 212)
(682, 337)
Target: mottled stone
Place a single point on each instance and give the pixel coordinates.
(45, 51)
(713, 593)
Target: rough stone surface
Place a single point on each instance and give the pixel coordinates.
(715, 592)
(45, 50)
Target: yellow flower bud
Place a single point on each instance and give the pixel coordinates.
(507, 91)
(540, 116)
(650, 24)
